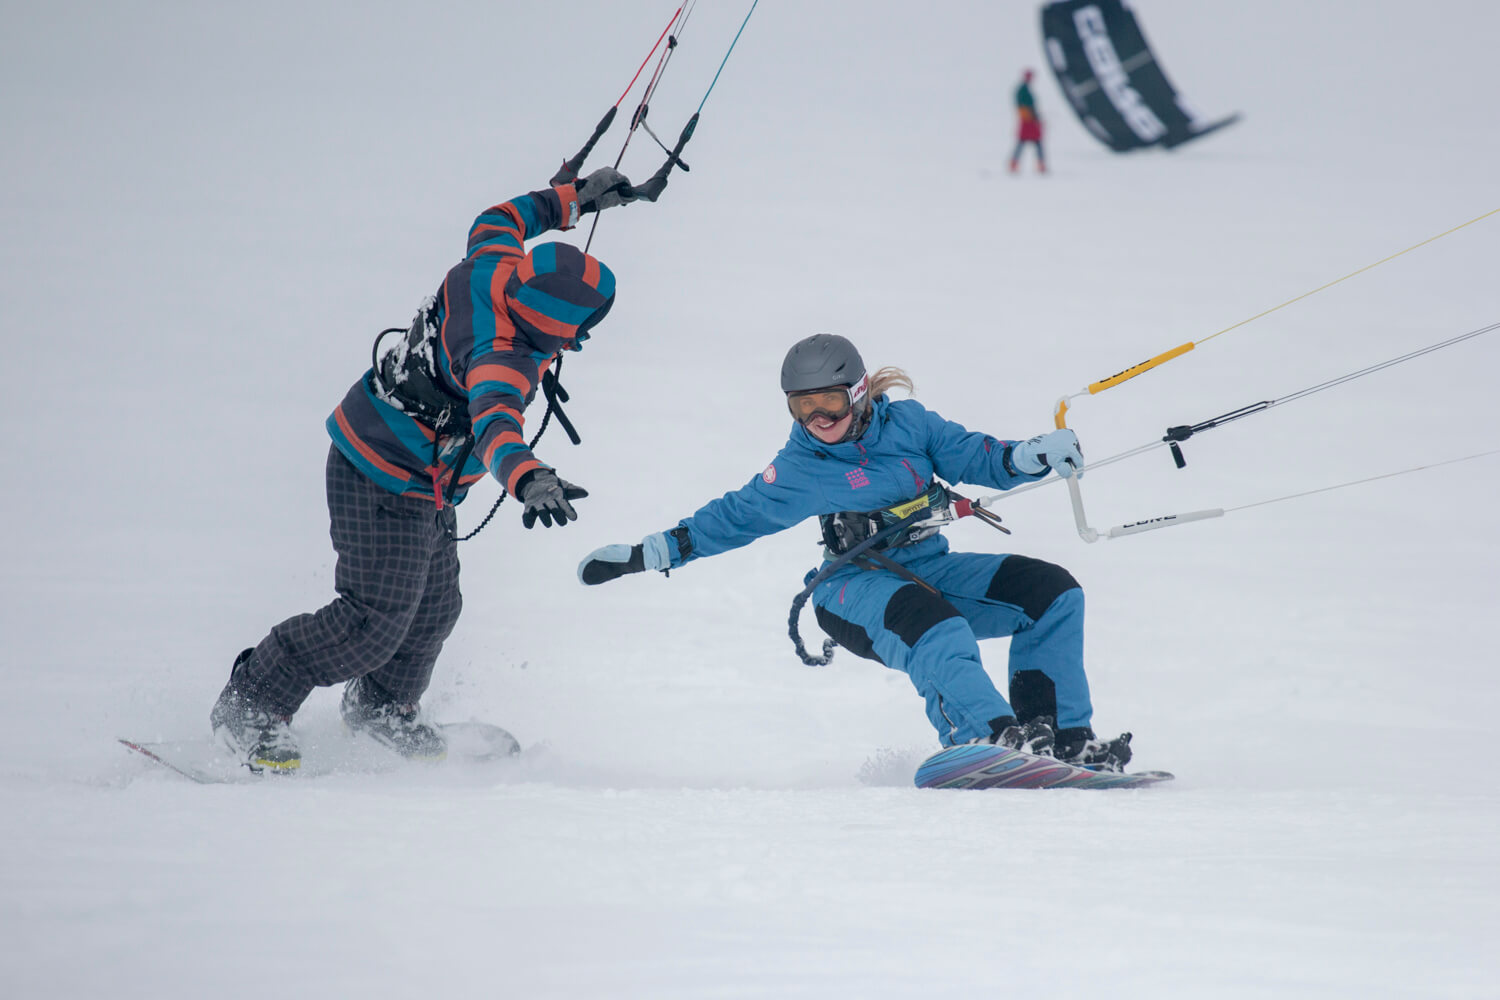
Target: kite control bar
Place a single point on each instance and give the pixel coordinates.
(1075, 493)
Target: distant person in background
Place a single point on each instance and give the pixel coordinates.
(1028, 126)
(432, 416)
(861, 463)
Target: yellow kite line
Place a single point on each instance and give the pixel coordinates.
(1061, 416)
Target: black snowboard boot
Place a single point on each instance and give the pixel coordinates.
(1078, 745)
(1033, 736)
(259, 736)
(368, 709)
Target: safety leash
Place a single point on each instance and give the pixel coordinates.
(889, 531)
(865, 553)
(556, 395)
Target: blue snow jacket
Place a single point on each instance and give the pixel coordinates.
(895, 460)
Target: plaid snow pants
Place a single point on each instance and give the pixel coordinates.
(397, 581)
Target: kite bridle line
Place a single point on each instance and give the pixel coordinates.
(657, 181)
(1177, 434)
(638, 116)
(568, 172)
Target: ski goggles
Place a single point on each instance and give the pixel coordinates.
(833, 402)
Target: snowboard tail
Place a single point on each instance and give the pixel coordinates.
(208, 762)
(984, 765)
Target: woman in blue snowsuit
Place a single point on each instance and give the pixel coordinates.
(853, 455)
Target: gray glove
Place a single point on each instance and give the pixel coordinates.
(604, 188)
(546, 497)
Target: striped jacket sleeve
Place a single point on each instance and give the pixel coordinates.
(483, 354)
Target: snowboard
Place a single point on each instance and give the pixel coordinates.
(983, 765)
(209, 762)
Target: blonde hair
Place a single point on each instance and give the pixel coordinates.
(888, 378)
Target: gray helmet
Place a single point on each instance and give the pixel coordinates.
(819, 361)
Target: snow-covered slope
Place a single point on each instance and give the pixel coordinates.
(207, 215)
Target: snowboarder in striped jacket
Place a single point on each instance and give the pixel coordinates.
(433, 415)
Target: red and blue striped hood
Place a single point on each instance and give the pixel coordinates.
(556, 294)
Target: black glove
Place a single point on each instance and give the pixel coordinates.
(604, 188)
(614, 561)
(546, 497)
(610, 563)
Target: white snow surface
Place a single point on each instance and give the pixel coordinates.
(209, 210)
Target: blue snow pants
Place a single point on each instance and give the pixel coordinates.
(933, 638)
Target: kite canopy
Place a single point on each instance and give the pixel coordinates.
(1113, 81)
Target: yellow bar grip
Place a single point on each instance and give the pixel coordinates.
(1060, 418)
(1144, 366)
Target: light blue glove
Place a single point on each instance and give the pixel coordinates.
(1057, 450)
(655, 551)
(614, 561)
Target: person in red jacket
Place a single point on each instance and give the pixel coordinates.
(1028, 126)
(434, 414)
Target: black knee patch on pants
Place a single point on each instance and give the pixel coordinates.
(913, 610)
(1030, 584)
(1032, 693)
(847, 634)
